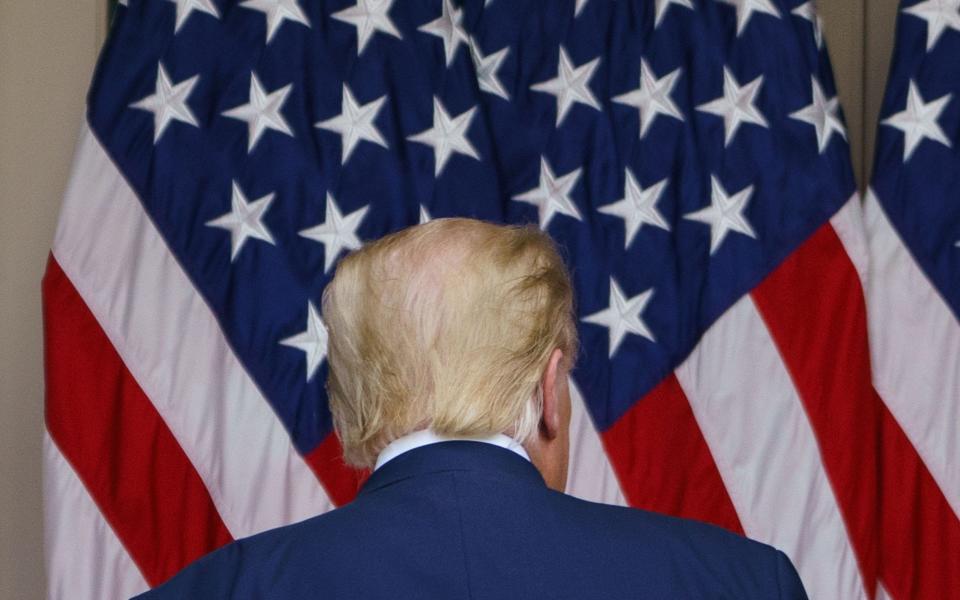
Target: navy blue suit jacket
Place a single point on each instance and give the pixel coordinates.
(474, 521)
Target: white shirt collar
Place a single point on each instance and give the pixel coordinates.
(426, 437)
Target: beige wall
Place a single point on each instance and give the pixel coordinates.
(47, 50)
(860, 37)
(843, 22)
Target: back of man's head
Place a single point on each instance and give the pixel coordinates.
(449, 326)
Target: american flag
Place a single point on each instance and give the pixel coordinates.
(690, 158)
(912, 219)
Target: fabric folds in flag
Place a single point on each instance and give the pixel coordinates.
(913, 294)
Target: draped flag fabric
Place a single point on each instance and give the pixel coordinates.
(690, 158)
(912, 217)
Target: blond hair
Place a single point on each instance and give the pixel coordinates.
(447, 325)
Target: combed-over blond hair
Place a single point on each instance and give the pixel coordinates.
(446, 325)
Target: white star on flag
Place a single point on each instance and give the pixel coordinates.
(822, 114)
(746, 8)
(448, 135)
(552, 195)
(369, 17)
(622, 316)
(652, 97)
(168, 102)
(244, 221)
(449, 28)
(661, 7)
(276, 12)
(424, 215)
(262, 112)
(312, 341)
(337, 232)
(637, 207)
(572, 84)
(918, 120)
(354, 123)
(808, 11)
(486, 68)
(186, 7)
(725, 213)
(939, 15)
(737, 105)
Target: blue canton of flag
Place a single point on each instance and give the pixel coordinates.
(917, 171)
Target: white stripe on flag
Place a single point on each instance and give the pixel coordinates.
(763, 445)
(84, 558)
(589, 474)
(915, 349)
(170, 341)
(882, 593)
(847, 223)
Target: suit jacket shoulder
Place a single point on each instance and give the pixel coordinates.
(689, 558)
(472, 521)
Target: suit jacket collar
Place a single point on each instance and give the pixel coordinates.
(426, 437)
(454, 456)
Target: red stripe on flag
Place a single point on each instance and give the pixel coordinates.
(664, 464)
(339, 480)
(814, 308)
(919, 533)
(119, 446)
(899, 523)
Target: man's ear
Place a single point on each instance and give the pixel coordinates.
(550, 421)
